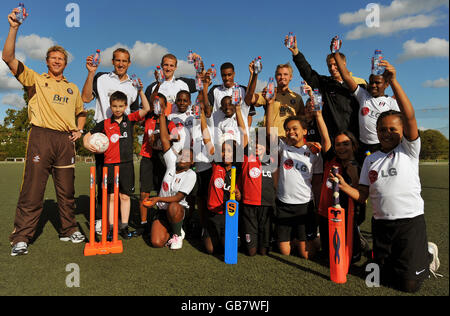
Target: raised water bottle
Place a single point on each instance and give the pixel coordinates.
(196, 109)
(336, 44)
(303, 91)
(317, 96)
(290, 41)
(159, 74)
(213, 72)
(257, 66)
(96, 58)
(270, 88)
(198, 82)
(135, 82)
(377, 70)
(190, 57)
(156, 106)
(236, 95)
(22, 14)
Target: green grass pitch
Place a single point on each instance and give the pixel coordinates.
(142, 270)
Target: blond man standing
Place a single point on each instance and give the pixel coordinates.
(57, 117)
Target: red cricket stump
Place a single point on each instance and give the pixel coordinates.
(336, 231)
(104, 247)
(349, 239)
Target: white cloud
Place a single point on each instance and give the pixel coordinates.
(142, 54)
(35, 46)
(13, 100)
(184, 69)
(434, 47)
(396, 9)
(438, 83)
(392, 26)
(400, 15)
(7, 80)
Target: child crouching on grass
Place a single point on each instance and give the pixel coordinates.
(390, 177)
(178, 182)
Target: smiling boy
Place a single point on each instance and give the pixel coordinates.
(372, 102)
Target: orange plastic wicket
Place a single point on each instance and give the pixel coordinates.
(104, 205)
(92, 206)
(104, 247)
(116, 204)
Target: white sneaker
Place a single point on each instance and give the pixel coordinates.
(20, 248)
(98, 227)
(75, 238)
(176, 242)
(435, 263)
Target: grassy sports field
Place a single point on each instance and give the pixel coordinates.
(141, 270)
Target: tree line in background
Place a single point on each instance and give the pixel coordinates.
(13, 137)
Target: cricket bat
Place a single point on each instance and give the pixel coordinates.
(336, 231)
(231, 223)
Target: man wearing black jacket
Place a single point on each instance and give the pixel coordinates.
(340, 108)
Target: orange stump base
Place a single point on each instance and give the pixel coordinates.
(99, 249)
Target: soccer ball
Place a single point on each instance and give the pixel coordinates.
(100, 141)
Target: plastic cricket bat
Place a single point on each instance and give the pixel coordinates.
(336, 231)
(231, 223)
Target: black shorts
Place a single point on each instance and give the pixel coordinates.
(400, 248)
(159, 168)
(161, 216)
(215, 226)
(203, 179)
(146, 175)
(292, 220)
(126, 177)
(256, 225)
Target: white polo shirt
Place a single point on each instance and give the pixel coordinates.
(393, 181)
(216, 94)
(297, 167)
(104, 85)
(370, 109)
(174, 182)
(170, 88)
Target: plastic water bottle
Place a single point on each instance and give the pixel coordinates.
(198, 82)
(160, 74)
(236, 95)
(198, 65)
(317, 100)
(376, 59)
(257, 66)
(135, 82)
(196, 109)
(303, 91)
(270, 88)
(156, 106)
(213, 72)
(336, 46)
(22, 14)
(290, 41)
(96, 58)
(190, 59)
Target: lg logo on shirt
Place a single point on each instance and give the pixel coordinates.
(289, 164)
(373, 175)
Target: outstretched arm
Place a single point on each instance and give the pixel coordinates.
(9, 49)
(250, 96)
(411, 132)
(345, 74)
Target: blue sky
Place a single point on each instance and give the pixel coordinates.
(412, 34)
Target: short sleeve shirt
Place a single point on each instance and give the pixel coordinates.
(393, 181)
(174, 182)
(297, 167)
(52, 104)
(285, 105)
(120, 137)
(370, 109)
